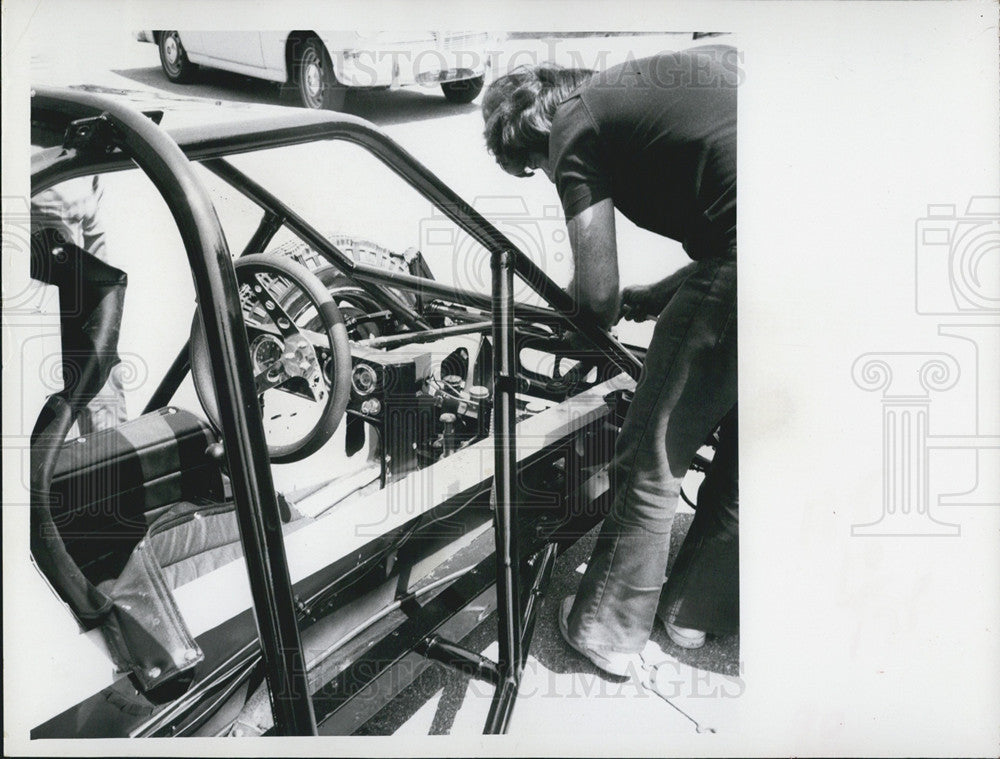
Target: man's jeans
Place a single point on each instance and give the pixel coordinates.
(688, 385)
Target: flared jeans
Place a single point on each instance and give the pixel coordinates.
(687, 389)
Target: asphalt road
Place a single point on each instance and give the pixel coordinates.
(344, 191)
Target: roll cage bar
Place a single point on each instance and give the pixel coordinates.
(104, 135)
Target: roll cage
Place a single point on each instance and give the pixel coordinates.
(103, 135)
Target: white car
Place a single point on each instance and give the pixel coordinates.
(323, 65)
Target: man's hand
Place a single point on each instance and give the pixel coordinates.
(641, 302)
(574, 342)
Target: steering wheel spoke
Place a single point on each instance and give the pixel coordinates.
(258, 281)
(317, 385)
(269, 378)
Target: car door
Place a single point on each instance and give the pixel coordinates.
(240, 48)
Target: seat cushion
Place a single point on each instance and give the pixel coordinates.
(108, 485)
(191, 539)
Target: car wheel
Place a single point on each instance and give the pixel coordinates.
(173, 59)
(317, 83)
(464, 90)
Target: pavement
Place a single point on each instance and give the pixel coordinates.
(562, 692)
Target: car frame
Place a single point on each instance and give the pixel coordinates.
(255, 628)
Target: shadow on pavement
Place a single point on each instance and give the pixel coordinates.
(383, 107)
(550, 652)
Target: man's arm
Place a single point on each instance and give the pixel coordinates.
(595, 262)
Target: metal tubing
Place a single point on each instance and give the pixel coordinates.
(415, 627)
(171, 381)
(309, 234)
(543, 569)
(269, 225)
(564, 303)
(409, 338)
(458, 315)
(425, 287)
(253, 490)
(455, 656)
(502, 706)
(505, 474)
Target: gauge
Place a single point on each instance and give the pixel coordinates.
(371, 407)
(364, 379)
(266, 351)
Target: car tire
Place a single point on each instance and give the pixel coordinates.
(315, 78)
(173, 58)
(463, 91)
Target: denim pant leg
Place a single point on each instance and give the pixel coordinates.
(688, 384)
(702, 591)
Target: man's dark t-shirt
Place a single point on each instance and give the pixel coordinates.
(658, 137)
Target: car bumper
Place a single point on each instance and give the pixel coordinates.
(398, 67)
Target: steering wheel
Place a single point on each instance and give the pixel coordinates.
(300, 352)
